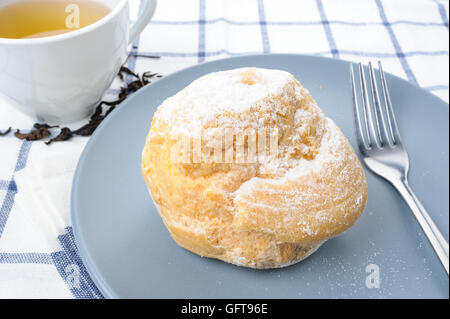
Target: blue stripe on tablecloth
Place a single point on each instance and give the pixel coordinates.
(300, 23)
(23, 156)
(202, 31)
(4, 184)
(391, 55)
(5, 209)
(70, 267)
(25, 258)
(436, 87)
(8, 201)
(263, 26)
(400, 54)
(349, 52)
(442, 12)
(326, 27)
(8, 185)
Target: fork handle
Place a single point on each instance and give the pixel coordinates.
(433, 234)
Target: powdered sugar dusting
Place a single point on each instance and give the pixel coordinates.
(330, 164)
(218, 94)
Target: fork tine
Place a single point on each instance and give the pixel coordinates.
(356, 116)
(379, 116)
(368, 118)
(374, 100)
(392, 123)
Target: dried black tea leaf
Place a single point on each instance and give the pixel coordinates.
(97, 114)
(63, 135)
(43, 125)
(89, 128)
(135, 85)
(124, 69)
(36, 134)
(94, 122)
(111, 103)
(5, 132)
(148, 75)
(39, 131)
(123, 93)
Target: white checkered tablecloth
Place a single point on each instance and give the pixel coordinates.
(38, 258)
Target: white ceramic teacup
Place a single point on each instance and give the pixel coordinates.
(61, 78)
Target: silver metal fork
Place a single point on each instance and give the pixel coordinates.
(383, 152)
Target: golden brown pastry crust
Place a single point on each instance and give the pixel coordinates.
(269, 213)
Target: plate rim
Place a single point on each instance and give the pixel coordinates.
(90, 266)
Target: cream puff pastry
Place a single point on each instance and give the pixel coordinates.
(220, 198)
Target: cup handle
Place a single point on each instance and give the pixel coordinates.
(144, 18)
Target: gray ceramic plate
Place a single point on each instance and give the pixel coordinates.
(129, 253)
